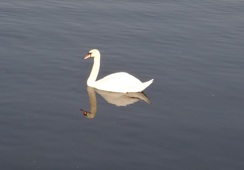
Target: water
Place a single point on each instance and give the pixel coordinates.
(193, 50)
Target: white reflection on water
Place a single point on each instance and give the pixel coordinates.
(117, 99)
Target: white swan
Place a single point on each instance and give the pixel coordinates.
(120, 82)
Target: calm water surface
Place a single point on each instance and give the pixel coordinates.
(193, 50)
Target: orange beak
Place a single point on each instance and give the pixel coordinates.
(88, 55)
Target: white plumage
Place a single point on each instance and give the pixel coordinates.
(121, 82)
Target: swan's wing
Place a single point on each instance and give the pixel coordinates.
(118, 99)
(117, 82)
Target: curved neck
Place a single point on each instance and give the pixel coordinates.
(94, 72)
(93, 102)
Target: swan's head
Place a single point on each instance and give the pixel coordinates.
(92, 53)
(88, 115)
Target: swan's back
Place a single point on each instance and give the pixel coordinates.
(121, 82)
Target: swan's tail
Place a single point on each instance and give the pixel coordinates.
(146, 84)
(140, 87)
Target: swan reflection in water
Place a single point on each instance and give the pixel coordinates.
(118, 99)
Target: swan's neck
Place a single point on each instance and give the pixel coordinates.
(94, 72)
(93, 102)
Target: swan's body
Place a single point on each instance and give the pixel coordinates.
(117, 82)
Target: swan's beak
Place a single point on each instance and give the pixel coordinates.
(87, 56)
(87, 114)
(84, 112)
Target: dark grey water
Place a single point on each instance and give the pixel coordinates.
(193, 50)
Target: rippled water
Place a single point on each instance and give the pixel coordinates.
(193, 50)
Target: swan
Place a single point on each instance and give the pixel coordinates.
(120, 82)
(117, 99)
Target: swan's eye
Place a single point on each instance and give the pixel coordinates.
(89, 53)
